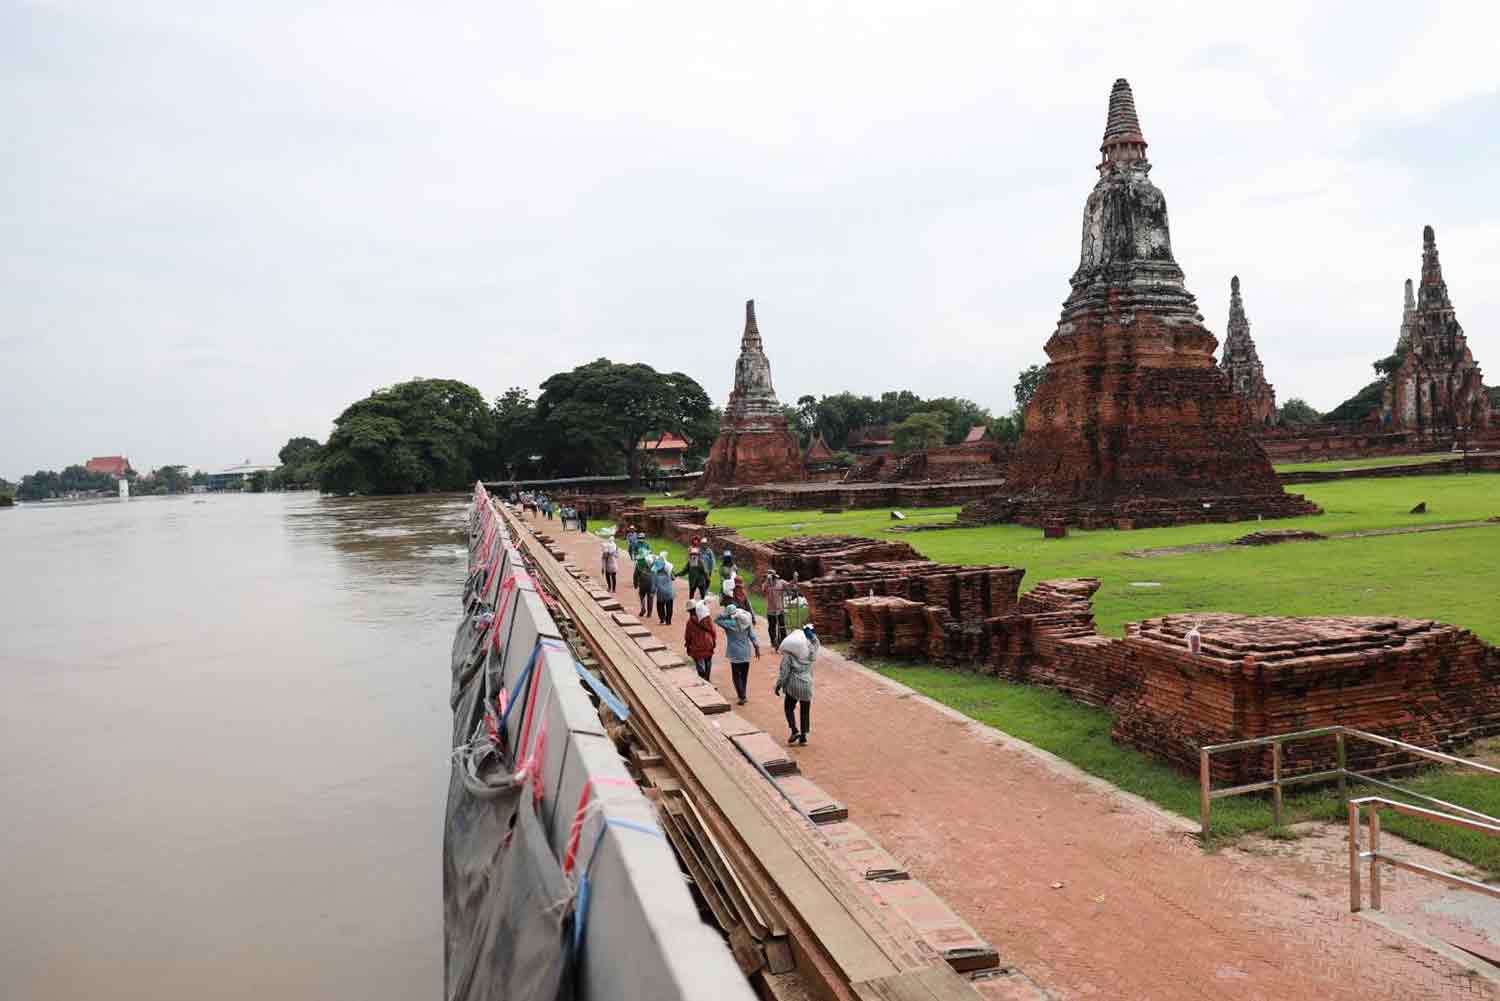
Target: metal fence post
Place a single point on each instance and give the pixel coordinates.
(1354, 895)
(1276, 788)
(1203, 800)
(1374, 822)
(1343, 769)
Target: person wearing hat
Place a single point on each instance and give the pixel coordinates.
(794, 682)
(699, 638)
(644, 587)
(726, 566)
(697, 577)
(609, 564)
(775, 608)
(739, 640)
(661, 582)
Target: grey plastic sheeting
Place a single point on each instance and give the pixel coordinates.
(512, 915)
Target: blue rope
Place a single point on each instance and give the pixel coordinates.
(581, 906)
(609, 698)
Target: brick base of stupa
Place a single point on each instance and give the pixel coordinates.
(752, 452)
(1136, 428)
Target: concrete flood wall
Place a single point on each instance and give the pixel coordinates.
(641, 933)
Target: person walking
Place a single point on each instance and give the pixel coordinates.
(775, 608)
(739, 641)
(644, 586)
(706, 554)
(609, 563)
(742, 599)
(726, 566)
(661, 581)
(699, 638)
(697, 577)
(583, 520)
(794, 682)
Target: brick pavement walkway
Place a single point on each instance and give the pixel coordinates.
(1143, 912)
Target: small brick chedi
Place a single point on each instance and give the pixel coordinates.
(755, 445)
(1437, 384)
(1134, 424)
(1242, 364)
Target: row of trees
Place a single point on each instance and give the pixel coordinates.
(440, 434)
(48, 484)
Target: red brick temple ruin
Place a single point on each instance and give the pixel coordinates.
(1438, 384)
(1133, 425)
(755, 445)
(1242, 364)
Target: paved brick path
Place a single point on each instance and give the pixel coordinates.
(1142, 913)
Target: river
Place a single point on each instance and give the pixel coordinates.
(223, 731)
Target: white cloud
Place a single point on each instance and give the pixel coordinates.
(329, 198)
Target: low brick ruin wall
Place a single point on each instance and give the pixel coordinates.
(1314, 442)
(966, 595)
(965, 461)
(657, 521)
(1442, 467)
(853, 496)
(1422, 682)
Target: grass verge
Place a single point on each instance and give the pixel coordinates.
(1079, 734)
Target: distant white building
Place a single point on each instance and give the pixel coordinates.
(234, 477)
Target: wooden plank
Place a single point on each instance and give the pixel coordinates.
(706, 697)
(836, 933)
(649, 643)
(732, 724)
(817, 804)
(665, 659)
(766, 752)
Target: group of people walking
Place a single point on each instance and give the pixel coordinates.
(654, 584)
(543, 506)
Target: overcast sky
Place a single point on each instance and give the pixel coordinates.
(224, 222)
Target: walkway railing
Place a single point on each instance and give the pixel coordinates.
(1490, 826)
(1341, 772)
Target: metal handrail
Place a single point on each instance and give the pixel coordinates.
(1207, 794)
(1490, 826)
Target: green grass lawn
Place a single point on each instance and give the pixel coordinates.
(1080, 734)
(1453, 576)
(1388, 460)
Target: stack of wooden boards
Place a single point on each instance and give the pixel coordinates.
(770, 921)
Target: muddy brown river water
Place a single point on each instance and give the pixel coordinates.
(223, 724)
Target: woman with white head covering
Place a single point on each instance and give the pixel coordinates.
(699, 638)
(739, 640)
(795, 680)
(661, 578)
(609, 564)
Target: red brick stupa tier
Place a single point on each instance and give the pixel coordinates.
(1134, 425)
(755, 445)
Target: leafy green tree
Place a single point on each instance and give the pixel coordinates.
(1297, 411)
(701, 435)
(47, 483)
(258, 481)
(923, 429)
(1005, 429)
(171, 479)
(300, 458)
(604, 408)
(415, 436)
(515, 433)
(199, 478)
(1360, 405)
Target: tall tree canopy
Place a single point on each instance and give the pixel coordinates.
(425, 434)
(46, 483)
(923, 429)
(838, 416)
(604, 408)
(1297, 411)
(300, 462)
